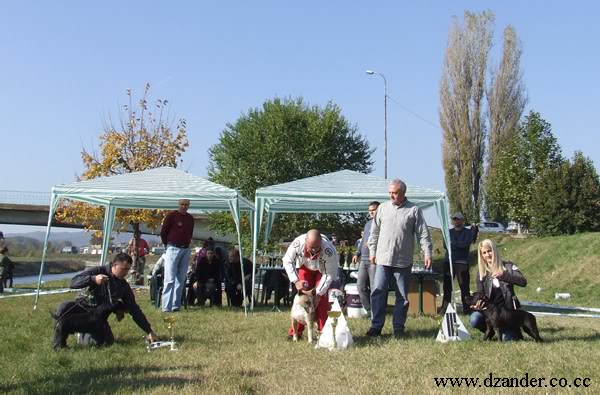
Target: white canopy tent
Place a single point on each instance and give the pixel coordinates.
(159, 188)
(343, 191)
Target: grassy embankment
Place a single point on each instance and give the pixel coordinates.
(554, 264)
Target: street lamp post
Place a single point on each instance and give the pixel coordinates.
(371, 72)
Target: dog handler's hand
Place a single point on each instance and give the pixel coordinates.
(427, 262)
(101, 279)
(152, 337)
(299, 284)
(479, 305)
(372, 260)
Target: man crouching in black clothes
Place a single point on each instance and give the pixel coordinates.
(105, 285)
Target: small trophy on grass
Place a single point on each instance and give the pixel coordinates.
(334, 314)
(170, 321)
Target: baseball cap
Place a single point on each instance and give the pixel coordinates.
(458, 215)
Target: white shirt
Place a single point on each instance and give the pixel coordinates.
(326, 262)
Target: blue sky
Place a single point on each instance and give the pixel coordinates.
(65, 66)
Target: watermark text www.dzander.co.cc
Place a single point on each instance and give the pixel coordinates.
(525, 381)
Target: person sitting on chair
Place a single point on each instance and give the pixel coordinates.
(208, 277)
(233, 277)
(158, 272)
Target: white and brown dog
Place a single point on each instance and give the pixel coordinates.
(303, 311)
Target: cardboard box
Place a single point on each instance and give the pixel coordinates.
(429, 291)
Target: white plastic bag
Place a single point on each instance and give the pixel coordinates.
(343, 336)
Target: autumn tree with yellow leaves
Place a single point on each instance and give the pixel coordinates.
(144, 137)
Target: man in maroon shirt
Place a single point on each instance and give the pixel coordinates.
(176, 235)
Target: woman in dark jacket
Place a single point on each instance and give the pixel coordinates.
(496, 280)
(208, 276)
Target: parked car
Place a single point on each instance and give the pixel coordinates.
(491, 227)
(513, 227)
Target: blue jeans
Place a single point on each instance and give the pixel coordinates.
(379, 293)
(365, 283)
(176, 266)
(477, 321)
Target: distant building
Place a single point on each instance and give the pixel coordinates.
(69, 250)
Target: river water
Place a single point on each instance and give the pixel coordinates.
(45, 277)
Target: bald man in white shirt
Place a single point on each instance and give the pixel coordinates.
(311, 261)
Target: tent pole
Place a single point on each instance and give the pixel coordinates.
(442, 209)
(51, 209)
(235, 211)
(109, 219)
(258, 213)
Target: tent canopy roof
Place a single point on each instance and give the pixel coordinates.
(159, 188)
(342, 191)
(337, 192)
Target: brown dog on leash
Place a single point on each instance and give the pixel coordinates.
(303, 311)
(498, 318)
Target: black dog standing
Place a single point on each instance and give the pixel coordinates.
(93, 322)
(499, 319)
(106, 286)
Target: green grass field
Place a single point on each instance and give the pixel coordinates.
(221, 352)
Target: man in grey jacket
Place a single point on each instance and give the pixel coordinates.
(461, 239)
(391, 246)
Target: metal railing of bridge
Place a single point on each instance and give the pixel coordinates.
(25, 197)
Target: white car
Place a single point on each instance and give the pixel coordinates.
(491, 227)
(513, 227)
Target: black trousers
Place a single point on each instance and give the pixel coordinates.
(210, 291)
(236, 297)
(461, 272)
(7, 280)
(87, 339)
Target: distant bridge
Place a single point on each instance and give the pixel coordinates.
(28, 208)
(32, 208)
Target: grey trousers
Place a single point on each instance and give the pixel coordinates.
(365, 283)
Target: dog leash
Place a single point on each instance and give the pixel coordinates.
(109, 293)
